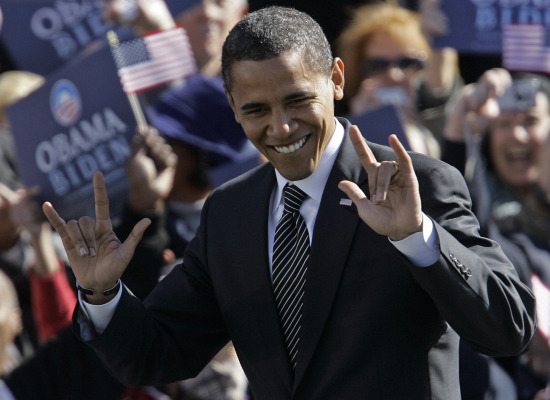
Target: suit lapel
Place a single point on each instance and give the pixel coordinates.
(333, 235)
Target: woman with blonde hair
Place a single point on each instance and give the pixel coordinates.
(388, 60)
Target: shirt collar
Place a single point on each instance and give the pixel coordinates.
(314, 185)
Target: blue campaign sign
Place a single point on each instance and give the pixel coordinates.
(475, 26)
(78, 122)
(42, 35)
(378, 124)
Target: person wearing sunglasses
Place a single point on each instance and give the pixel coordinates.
(389, 61)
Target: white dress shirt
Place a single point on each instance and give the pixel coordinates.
(421, 248)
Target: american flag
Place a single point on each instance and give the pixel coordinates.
(525, 47)
(153, 59)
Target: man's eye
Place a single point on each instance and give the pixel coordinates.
(255, 111)
(301, 101)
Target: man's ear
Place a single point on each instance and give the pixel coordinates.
(231, 103)
(338, 78)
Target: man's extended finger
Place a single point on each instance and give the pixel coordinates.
(135, 236)
(403, 158)
(57, 222)
(366, 157)
(59, 225)
(101, 198)
(361, 147)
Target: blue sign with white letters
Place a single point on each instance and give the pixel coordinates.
(81, 122)
(475, 26)
(42, 35)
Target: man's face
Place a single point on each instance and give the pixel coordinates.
(286, 110)
(515, 139)
(208, 24)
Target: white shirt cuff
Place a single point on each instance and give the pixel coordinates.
(421, 248)
(100, 315)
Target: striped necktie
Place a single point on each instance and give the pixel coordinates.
(290, 257)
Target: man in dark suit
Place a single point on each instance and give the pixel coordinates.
(393, 277)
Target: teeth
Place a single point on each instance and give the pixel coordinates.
(292, 148)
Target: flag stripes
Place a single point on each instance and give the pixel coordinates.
(154, 59)
(524, 48)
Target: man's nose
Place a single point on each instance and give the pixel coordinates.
(281, 124)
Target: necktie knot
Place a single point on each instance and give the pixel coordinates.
(293, 198)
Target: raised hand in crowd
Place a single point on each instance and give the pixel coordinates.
(477, 105)
(433, 19)
(150, 170)
(143, 16)
(442, 72)
(25, 214)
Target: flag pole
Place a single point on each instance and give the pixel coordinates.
(132, 97)
(137, 110)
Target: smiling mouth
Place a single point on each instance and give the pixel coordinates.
(291, 148)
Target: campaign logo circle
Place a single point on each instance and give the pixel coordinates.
(65, 103)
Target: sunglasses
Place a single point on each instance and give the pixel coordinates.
(377, 66)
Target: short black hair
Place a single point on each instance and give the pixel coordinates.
(269, 32)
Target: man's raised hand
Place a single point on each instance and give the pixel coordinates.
(97, 257)
(394, 207)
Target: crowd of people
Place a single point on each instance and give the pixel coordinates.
(423, 271)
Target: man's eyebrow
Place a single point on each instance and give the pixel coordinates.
(292, 96)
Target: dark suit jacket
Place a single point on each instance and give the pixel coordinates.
(374, 326)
